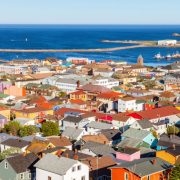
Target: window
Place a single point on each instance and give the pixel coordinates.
(21, 176)
(6, 165)
(79, 167)
(49, 178)
(73, 169)
(83, 178)
(126, 176)
(148, 178)
(29, 175)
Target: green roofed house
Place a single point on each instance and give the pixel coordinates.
(145, 137)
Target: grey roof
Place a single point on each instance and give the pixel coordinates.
(22, 163)
(72, 133)
(98, 148)
(73, 119)
(17, 143)
(168, 141)
(54, 164)
(4, 137)
(145, 124)
(130, 142)
(99, 125)
(111, 134)
(145, 166)
(136, 133)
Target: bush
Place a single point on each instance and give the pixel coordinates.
(50, 128)
(175, 174)
(27, 130)
(12, 127)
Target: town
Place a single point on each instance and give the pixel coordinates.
(79, 119)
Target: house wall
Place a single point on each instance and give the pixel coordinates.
(8, 173)
(5, 113)
(77, 174)
(127, 157)
(15, 91)
(31, 115)
(166, 156)
(149, 139)
(119, 174)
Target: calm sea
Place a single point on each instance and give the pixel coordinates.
(84, 37)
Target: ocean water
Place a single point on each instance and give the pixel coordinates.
(85, 37)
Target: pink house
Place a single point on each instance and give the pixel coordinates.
(127, 154)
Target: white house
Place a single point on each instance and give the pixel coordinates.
(52, 167)
(106, 82)
(130, 104)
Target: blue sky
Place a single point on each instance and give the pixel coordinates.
(89, 12)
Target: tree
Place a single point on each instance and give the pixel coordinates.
(175, 174)
(27, 130)
(50, 128)
(62, 94)
(172, 130)
(12, 128)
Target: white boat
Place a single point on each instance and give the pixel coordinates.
(168, 57)
(158, 56)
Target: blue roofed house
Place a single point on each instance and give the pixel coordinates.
(145, 138)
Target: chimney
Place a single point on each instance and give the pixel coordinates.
(154, 161)
(174, 147)
(75, 151)
(76, 157)
(104, 142)
(67, 155)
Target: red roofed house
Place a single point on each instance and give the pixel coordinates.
(155, 115)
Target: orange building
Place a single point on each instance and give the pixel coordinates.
(15, 91)
(142, 169)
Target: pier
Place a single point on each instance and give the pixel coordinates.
(72, 50)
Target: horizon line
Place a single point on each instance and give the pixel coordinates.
(128, 24)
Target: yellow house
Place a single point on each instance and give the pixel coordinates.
(171, 155)
(78, 95)
(33, 113)
(5, 112)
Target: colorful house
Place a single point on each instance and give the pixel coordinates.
(15, 91)
(5, 112)
(142, 135)
(3, 121)
(78, 95)
(127, 154)
(142, 169)
(33, 113)
(171, 155)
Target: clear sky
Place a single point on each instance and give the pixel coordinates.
(89, 11)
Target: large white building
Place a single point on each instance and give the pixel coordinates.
(52, 167)
(169, 42)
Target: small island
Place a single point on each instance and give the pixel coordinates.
(176, 34)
